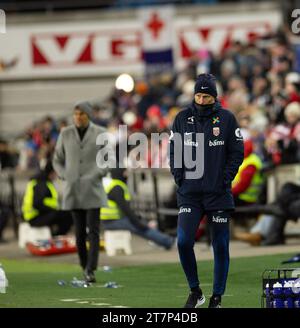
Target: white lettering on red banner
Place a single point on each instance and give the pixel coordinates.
(96, 48)
(84, 48)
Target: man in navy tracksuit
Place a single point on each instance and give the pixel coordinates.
(210, 135)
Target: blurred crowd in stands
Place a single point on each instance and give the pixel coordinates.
(257, 81)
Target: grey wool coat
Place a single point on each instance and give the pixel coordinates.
(74, 161)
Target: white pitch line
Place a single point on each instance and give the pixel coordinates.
(118, 306)
(90, 302)
(95, 298)
(70, 300)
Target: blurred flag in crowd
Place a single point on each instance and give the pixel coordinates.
(157, 35)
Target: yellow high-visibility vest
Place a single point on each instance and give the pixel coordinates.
(251, 194)
(112, 211)
(29, 212)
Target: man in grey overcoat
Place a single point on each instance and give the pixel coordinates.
(74, 161)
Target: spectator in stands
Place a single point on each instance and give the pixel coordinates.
(40, 203)
(154, 121)
(49, 130)
(288, 200)
(62, 124)
(7, 158)
(283, 141)
(269, 230)
(292, 87)
(119, 214)
(28, 158)
(247, 184)
(237, 95)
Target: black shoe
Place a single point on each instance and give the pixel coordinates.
(273, 241)
(89, 276)
(195, 300)
(215, 302)
(293, 259)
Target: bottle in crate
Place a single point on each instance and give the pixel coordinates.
(278, 295)
(296, 291)
(288, 294)
(268, 296)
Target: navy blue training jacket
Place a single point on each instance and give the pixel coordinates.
(223, 149)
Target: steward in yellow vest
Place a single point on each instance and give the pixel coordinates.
(247, 184)
(118, 215)
(113, 210)
(40, 203)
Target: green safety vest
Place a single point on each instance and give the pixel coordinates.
(251, 194)
(112, 212)
(29, 212)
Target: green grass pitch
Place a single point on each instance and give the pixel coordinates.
(34, 284)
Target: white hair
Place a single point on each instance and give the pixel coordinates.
(292, 109)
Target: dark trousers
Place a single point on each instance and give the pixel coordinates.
(60, 222)
(4, 216)
(188, 221)
(87, 227)
(150, 234)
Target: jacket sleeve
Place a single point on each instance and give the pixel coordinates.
(117, 195)
(59, 157)
(40, 192)
(235, 152)
(176, 172)
(245, 181)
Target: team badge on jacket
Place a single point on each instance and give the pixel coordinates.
(216, 120)
(191, 120)
(216, 131)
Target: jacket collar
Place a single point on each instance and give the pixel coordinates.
(216, 107)
(86, 136)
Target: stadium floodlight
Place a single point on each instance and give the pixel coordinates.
(125, 82)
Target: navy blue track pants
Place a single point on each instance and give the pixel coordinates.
(189, 218)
